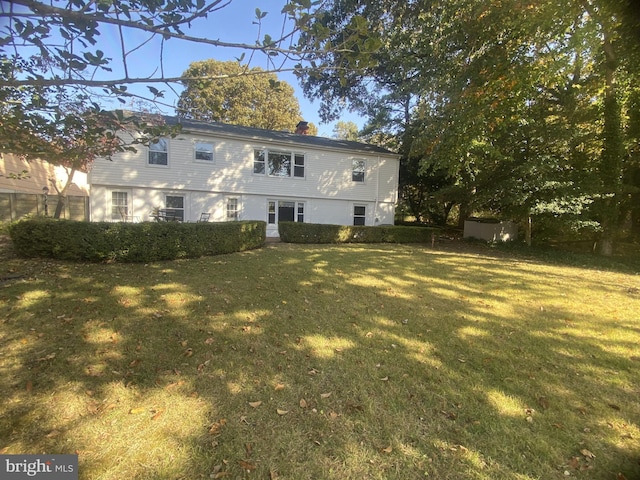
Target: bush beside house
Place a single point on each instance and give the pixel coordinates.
(132, 242)
(295, 232)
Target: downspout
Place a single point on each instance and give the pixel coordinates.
(375, 208)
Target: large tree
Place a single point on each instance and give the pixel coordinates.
(53, 49)
(56, 79)
(238, 94)
(523, 103)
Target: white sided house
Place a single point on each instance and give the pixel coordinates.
(239, 173)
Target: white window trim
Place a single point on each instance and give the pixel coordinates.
(155, 165)
(296, 203)
(353, 213)
(196, 141)
(110, 203)
(267, 151)
(185, 203)
(238, 209)
(364, 180)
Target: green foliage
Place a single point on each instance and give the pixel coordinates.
(132, 242)
(235, 94)
(346, 131)
(54, 70)
(298, 232)
(517, 105)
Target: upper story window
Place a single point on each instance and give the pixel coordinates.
(278, 164)
(359, 167)
(159, 152)
(204, 152)
(298, 165)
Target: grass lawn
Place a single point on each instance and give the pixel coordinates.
(325, 362)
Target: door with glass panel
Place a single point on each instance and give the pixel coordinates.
(283, 211)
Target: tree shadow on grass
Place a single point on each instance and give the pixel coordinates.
(322, 362)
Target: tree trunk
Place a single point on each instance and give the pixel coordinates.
(62, 194)
(613, 145)
(463, 214)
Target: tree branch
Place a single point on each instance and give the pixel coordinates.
(42, 10)
(61, 82)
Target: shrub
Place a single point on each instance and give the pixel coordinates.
(297, 232)
(132, 242)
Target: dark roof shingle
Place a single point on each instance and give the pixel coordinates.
(251, 133)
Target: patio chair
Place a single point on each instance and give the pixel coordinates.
(204, 217)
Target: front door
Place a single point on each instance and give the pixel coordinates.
(282, 211)
(286, 211)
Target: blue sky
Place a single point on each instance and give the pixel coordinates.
(233, 24)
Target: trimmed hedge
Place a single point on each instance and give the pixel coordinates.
(132, 242)
(297, 232)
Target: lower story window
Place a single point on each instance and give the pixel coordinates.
(119, 206)
(174, 205)
(359, 214)
(232, 209)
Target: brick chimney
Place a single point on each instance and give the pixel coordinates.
(302, 128)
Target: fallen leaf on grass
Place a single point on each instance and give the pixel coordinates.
(248, 466)
(137, 411)
(255, 404)
(188, 352)
(303, 403)
(158, 413)
(449, 415)
(175, 384)
(325, 395)
(281, 411)
(279, 386)
(217, 426)
(587, 453)
(53, 434)
(135, 363)
(389, 449)
(385, 379)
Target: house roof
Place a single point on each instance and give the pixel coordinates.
(277, 136)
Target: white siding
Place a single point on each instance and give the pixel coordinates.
(327, 189)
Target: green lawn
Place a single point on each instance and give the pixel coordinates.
(324, 362)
